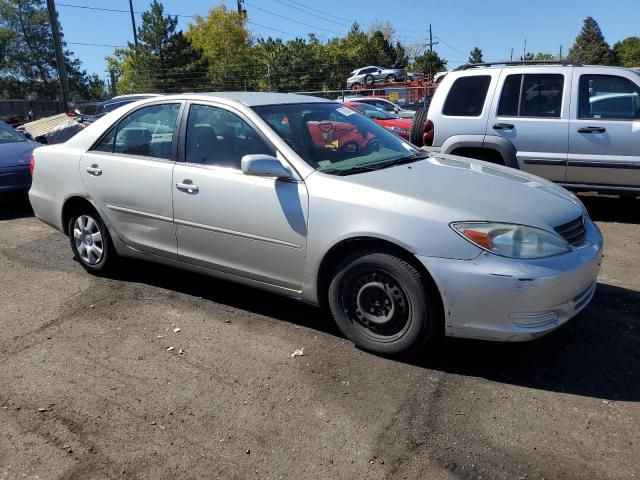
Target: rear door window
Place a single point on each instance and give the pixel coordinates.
(147, 132)
(467, 96)
(608, 97)
(537, 95)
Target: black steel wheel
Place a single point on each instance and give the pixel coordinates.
(381, 303)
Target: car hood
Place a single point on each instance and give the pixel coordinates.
(17, 153)
(395, 122)
(453, 188)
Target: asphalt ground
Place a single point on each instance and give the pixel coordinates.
(89, 389)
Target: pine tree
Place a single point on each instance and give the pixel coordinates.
(590, 46)
(164, 59)
(476, 55)
(27, 57)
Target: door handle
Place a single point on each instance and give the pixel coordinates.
(188, 187)
(592, 130)
(503, 126)
(94, 170)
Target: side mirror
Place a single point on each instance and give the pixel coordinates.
(261, 165)
(396, 109)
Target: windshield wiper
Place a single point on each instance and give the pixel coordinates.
(380, 165)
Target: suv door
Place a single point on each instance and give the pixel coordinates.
(604, 136)
(248, 226)
(531, 110)
(128, 174)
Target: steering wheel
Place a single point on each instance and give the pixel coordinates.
(374, 145)
(349, 149)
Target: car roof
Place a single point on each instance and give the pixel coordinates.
(251, 99)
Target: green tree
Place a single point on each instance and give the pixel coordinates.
(163, 61)
(476, 55)
(545, 57)
(590, 46)
(27, 57)
(428, 62)
(627, 52)
(528, 57)
(226, 43)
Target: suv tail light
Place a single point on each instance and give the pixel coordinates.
(32, 164)
(429, 131)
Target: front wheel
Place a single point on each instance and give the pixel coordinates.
(381, 303)
(90, 241)
(390, 79)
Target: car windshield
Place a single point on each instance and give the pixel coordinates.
(9, 135)
(374, 112)
(335, 139)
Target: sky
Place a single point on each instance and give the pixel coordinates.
(458, 25)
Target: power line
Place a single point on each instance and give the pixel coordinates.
(291, 19)
(96, 45)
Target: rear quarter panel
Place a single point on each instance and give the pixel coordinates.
(55, 179)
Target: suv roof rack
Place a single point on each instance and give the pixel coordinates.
(564, 63)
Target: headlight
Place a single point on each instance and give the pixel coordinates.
(514, 241)
(399, 130)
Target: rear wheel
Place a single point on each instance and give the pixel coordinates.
(381, 303)
(417, 127)
(390, 79)
(90, 241)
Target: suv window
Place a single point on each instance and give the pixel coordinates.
(538, 95)
(466, 96)
(218, 137)
(147, 132)
(608, 97)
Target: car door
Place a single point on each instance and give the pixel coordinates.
(532, 111)
(128, 173)
(248, 226)
(604, 136)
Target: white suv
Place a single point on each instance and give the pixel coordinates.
(576, 125)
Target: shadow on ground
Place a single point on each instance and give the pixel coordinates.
(15, 205)
(612, 209)
(596, 354)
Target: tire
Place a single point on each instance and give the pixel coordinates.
(369, 80)
(354, 86)
(90, 242)
(417, 127)
(390, 79)
(382, 303)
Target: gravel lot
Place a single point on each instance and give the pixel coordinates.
(88, 389)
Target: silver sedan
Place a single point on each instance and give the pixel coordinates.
(309, 199)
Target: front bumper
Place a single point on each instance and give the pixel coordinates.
(13, 179)
(497, 298)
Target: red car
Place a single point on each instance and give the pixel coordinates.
(399, 126)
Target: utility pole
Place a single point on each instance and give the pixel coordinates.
(430, 45)
(114, 90)
(57, 45)
(524, 51)
(133, 23)
(511, 55)
(242, 11)
(269, 75)
(560, 56)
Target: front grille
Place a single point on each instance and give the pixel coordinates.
(573, 232)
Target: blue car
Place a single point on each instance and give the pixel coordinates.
(15, 158)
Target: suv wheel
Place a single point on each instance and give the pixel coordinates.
(381, 303)
(417, 127)
(368, 79)
(90, 241)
